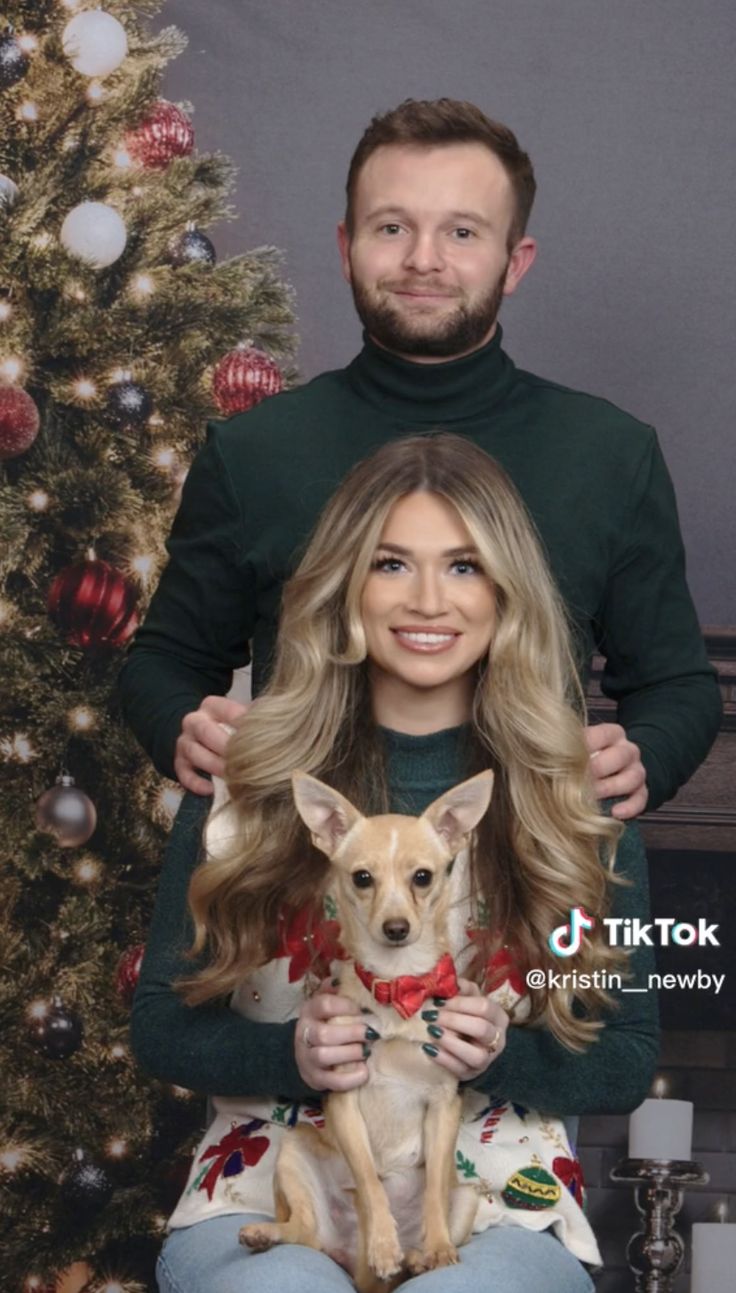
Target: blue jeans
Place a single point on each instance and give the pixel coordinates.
(207, 1258)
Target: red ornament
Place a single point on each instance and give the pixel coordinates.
(165, 133)
(128, 972)
(243, 378)
(93, 604)
(19, 421)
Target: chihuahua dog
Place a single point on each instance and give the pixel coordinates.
(386, 1155)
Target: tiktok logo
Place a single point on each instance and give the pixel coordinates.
(566, 939)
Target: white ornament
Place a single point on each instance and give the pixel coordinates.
(95, 43)
(8, 192)
(95, 233)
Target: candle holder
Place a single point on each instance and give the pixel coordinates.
(655, 1253)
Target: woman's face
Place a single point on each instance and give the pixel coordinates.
(428, 608)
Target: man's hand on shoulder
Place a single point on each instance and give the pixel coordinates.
(200, 746)
(617, 770)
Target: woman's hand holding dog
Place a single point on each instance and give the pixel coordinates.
(467, 1033)
(331, 1030)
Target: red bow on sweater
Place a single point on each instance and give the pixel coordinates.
(408, 992)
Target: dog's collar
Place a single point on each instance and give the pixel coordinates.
(408, 992)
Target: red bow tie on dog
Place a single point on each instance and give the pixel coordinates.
(408, 992)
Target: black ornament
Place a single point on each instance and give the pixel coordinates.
(192, 248)
(85, 1187)
(129, 406)
(57, 1033)
(13, 60)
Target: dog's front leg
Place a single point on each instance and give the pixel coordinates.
(379, 1250)
(441, 1125)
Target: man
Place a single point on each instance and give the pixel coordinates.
(433, 239)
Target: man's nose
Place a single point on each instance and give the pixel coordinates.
(424, 253)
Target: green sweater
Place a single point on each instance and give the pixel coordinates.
(592, 477)
(212, 1049)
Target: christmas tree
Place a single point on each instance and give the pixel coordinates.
(119, 336)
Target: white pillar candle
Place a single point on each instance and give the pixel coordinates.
(661, 1129)
(714, 1256)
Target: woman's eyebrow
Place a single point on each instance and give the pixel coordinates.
(466, 550)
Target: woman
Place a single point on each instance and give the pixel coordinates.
(421, 639)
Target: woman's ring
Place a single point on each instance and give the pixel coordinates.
(492, 1046)
(305, 1037)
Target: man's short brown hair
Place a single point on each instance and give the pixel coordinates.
(432, 122)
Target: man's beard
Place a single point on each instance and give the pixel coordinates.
(462, 329)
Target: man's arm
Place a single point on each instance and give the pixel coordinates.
(656, 666)
(201, 617)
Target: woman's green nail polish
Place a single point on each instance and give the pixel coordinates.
(366, 1051)
(434, 1030)
(430, 1015)
(431, 1050)
(371, 1035)
(440, 1001)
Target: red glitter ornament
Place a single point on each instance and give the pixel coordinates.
(165, 133)
(243, 378)
(19, 421)
(93, 604)
(128, 972)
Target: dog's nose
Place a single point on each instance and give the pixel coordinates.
(396, 930)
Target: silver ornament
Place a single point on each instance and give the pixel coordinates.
(192, 248)
(8, 193)
(67, 813)
(14, 62)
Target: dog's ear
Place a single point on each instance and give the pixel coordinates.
(456, 813)
(327, 813)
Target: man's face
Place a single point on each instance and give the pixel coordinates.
(428, 259)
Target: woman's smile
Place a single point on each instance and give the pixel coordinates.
(427, 641)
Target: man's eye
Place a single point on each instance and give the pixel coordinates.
(362, 879)
(422, 879)
(391, 228)
(464, 234)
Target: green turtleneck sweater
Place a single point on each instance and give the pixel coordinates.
(212, 1049)
(592, 477)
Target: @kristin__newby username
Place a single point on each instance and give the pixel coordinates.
(699, 980)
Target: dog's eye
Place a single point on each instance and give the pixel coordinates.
(422, 879)
(362, 879)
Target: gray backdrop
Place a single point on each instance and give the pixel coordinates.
(628, 109)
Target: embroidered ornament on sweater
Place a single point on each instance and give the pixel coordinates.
(238, 1149)
(531, 1188)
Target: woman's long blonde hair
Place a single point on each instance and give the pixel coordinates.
(538, 852)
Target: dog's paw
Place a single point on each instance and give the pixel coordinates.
(441, 1255)
(385, 1256)
(259, 1236)
(414, 1262)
